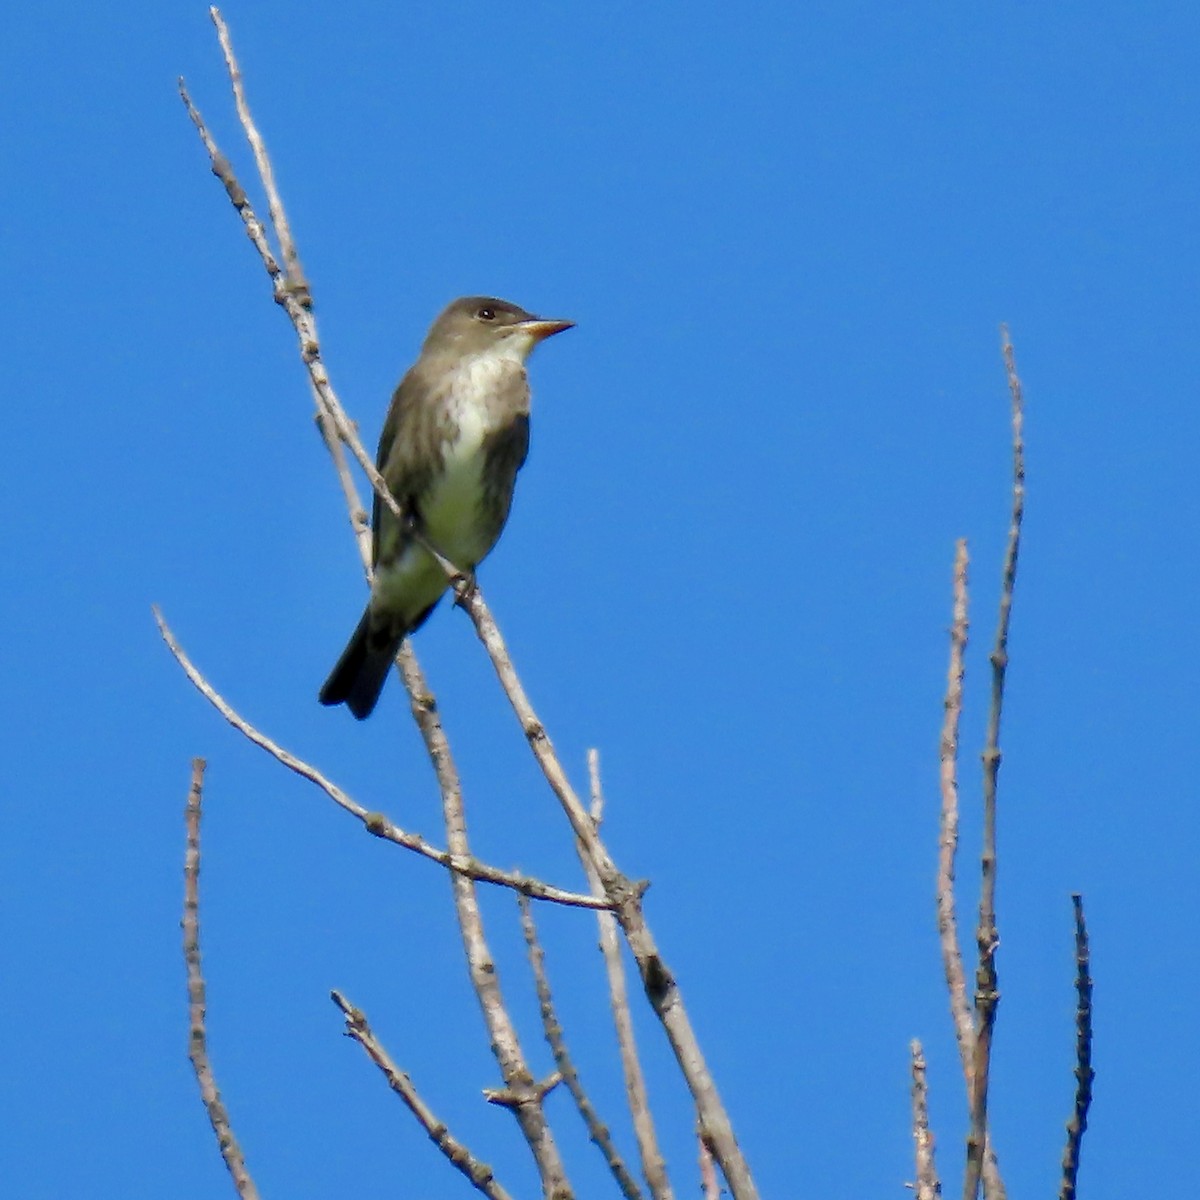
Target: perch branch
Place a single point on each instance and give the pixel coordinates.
(479, 1173)
(1084, 1074)
(218, 1115)
(626, 898)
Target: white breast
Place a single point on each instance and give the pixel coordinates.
(452, 509)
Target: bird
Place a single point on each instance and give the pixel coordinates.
(455, 436)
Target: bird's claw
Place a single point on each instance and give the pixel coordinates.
(464, 585)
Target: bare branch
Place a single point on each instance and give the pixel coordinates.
(479, 1173)
(927, 1187)
(294, 299)
(1084, 1074)
(295, 274)
(223, 170)
(947, 921)
(525, 1095)
(297, 304)
(374, 822)
(654, 1167)
(657, 980)
(360, 521)
(710, 1186)
(596, 1128)
(987, 993)
(218, 1115)
(619, 891)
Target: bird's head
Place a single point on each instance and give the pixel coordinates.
(484, 325)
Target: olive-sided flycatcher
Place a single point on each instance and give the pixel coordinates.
(455, 436)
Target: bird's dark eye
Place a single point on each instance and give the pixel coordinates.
(486, 314)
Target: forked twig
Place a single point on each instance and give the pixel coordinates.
(479, 1173)
(597, 1130)
(295, 275)
(626, 897)
(1084, 1075)
(374, 822)
(218, 1115)
(291, 294)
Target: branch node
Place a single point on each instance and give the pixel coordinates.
(528, 1092)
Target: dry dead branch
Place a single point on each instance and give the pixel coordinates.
(479, 1173)
(556, 1039)
(1084, 1074)
(218, 1115)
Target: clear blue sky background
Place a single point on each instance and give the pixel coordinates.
(788, 235)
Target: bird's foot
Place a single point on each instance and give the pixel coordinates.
(464, 585)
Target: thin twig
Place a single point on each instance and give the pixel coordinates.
(927, 1186)
(374, 822)
(626, 897)
(987, 991)
(296, 301)
(295, 274)
(360, 521)
(223, 170)
(218, 1115)
(597, 1130)
(479, 1173)
(522, 1093)
(710, 1186)
(947, 920)
(1084, 1075)
(654, 1167)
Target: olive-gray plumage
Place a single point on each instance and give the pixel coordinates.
(455, 436)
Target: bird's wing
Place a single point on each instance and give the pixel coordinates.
(506, 451)
(408, 451)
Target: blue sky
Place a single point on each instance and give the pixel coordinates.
(788, 235)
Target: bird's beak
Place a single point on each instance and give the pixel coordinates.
(540, 328)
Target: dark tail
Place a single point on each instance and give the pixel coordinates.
(361, 672)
